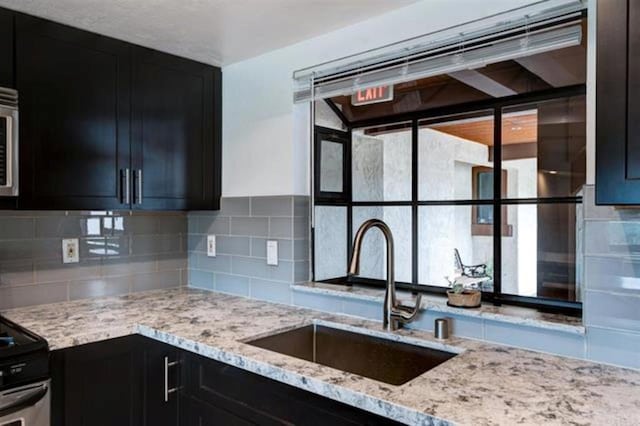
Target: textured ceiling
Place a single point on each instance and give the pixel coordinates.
(212, 31)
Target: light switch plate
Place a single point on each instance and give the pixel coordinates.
(272, 252)
(70, 250)
(211, 245)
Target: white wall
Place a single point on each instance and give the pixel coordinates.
(266, 138)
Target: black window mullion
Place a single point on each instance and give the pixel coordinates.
(414, 202)
(497, 205)
(349, 193)
(497, 202)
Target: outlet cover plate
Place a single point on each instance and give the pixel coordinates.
(70, 250)
(272, 253)
(211, 245)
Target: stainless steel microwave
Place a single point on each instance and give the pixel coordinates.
(8, 142)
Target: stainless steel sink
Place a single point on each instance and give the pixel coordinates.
(380, 359)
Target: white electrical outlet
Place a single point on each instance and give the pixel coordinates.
(211, 245)
(272, 253)
(70, 251)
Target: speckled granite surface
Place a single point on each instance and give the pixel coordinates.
(508, 314)
(484, 385)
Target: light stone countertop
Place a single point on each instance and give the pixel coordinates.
(485, 384)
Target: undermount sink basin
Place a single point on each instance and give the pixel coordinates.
(377, 358)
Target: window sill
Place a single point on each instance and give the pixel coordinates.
(507, 314)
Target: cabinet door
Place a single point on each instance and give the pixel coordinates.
(633, 93)
(6, 48)
(74, 116)
(198, 413)
(176, 133)
(618, 103)
(100, 383)
(161, 370)
(267, 402)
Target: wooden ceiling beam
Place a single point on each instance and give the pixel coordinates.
(482, 83)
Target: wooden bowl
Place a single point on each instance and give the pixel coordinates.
(466, 299)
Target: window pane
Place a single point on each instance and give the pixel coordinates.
(326, 117)
(544, 148)
(331, 160)
(373, 260)
(330, 242)
(455, 157)
(381, 163)
(539, 257)
(451, 243)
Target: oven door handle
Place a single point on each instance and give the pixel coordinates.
(22, 399)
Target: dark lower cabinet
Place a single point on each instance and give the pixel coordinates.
(138, 381)
(97, 384)
(161, 370)
(198, 413)
(254, 399)
(618, 103)
(6, 49)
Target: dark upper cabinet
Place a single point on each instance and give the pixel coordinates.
(108, 125)
(618, 103)
(6, 48)
(175, 132)
(74, 91)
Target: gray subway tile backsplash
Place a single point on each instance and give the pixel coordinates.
(16, 228)
(11, 297)
(233, 245)
(231, 284)
(612, 310)
(235, 206)
(258, 268)
(250, 226)
(534, 338)
(613, 273)
(272, 206)
(242, 229)
(120, 252)
(613, 347)
(200, 279)
(272, 291)
(281, 227)
(220, 263)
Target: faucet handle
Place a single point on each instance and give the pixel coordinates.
(409, 313)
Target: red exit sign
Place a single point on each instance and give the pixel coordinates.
(372, 95)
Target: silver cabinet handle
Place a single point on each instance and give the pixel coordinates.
(168, 391)
(137, 178)
(125, 185)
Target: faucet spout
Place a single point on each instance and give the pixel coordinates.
(394, 314)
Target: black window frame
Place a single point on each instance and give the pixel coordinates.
(417, 119)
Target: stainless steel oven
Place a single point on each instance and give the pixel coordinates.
(8, 142)
(28, 405)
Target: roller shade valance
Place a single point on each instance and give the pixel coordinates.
(539, 28)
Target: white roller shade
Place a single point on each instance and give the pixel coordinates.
(533, 32)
